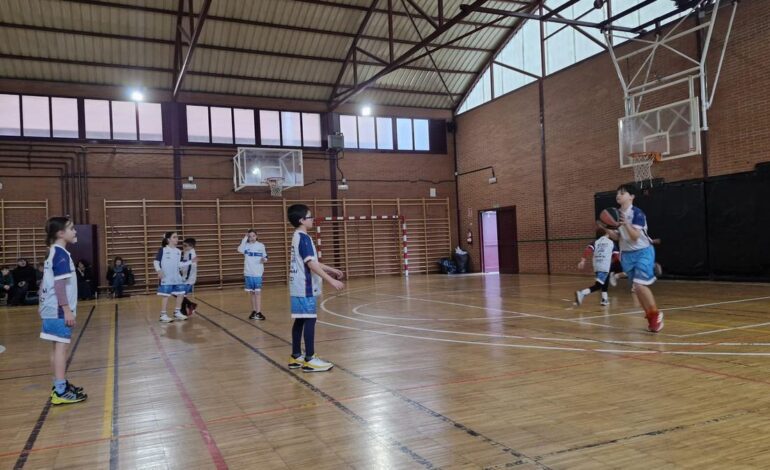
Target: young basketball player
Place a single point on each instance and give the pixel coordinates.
(637, 254)
(168, 263)
(58, 306)
(305, 276)
(254, 259)
(189, 274)
(602, 250)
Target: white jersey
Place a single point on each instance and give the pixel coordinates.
(254, 255)
(189, 272)
(169, 262)
(58, 266)
(639, 221)
(603, 248)
(302, 281)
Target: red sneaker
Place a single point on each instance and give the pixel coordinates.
(655, 321)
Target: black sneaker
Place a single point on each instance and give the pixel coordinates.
(70, 386)
(256, 316)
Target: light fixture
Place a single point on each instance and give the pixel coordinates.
(343, 185)
(366, 111)
(137, 95)
(255, 171)
(190, 184)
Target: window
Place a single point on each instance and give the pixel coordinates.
(244, 126)
(10, 115)
(97, 119)
(311, 130)
(404, 134)
(65, 117)
(197, 124)
(221, 125)
(385, 133)
(150, 122)
(124, 120)
(349, 129)
(35, 113)
(291, 129)
(366, 134)
(270, 127)
(421, 134)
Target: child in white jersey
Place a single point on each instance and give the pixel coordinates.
(305, 276)
(601, 250)
(254, 259)
(189, 274)
(58, 305)
(168, 263)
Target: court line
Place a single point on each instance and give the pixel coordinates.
(368, 426)
(109, 383)
(683, 307)
(208, 439)
(115, 431)
(47, 407)
(393, 392)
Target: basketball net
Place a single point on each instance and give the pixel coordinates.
(642, 162)
(276, 186)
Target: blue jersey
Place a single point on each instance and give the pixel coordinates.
(639, 221)
(58, 266)
(302, 281)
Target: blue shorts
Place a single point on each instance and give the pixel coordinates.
(639, 265)
(601, 277)
(253, 283)
(303, 307)
(188, 288)
(54, 329)
(167, 290)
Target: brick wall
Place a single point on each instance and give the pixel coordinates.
(581, 108)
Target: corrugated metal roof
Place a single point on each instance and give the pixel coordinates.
(273, 48)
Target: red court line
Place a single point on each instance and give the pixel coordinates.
(208, 439)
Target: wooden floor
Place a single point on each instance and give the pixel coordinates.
(433, 372)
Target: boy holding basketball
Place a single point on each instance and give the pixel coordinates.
(637, 254)
(305, 277)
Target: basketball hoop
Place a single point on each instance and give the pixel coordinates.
(642, 162)
(276, 186)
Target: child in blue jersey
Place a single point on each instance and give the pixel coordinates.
(189, 274)
(601, 250)
(254, 259)
(305, 274)
(58, 305)
(637, 254)
(168, 263)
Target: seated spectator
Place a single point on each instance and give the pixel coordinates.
(6, 283)
(85, 281)
(25, 279)
(119, 275)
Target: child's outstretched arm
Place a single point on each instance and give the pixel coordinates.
(318, 268)
(242, 246)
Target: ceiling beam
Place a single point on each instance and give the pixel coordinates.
(530, 16)
(352, 49)
(560, 9)
(195, 35)
(212, 47)
(200, 74)
(405, 56)
(263, 24)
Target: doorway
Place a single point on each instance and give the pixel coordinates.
(499, 247)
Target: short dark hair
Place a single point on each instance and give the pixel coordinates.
(600, 232)
(116, 260)
(189, 241)
(628, 188)
(295, 213)
(52, 227)
(166, 237)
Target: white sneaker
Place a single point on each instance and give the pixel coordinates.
(316, 364)
(579, 296)
(613, 280)
(180, 316)
(604, 302)
(165, 318)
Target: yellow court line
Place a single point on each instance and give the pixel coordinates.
(109, 384)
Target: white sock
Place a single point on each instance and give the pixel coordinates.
(604, 296)
(585, 291)
(162, 312)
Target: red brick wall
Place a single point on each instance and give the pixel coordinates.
(581, 108)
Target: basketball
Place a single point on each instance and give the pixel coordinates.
(610, 217)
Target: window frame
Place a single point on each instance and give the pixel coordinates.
(394, 132)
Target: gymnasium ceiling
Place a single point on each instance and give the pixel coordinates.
(293, 49)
